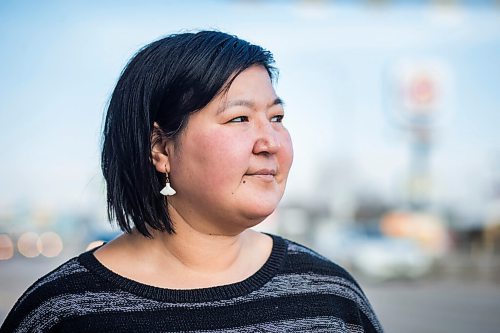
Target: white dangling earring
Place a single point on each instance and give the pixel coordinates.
(167, 190)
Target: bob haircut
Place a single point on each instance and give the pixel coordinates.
(164, 82)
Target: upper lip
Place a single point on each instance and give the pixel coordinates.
(263, 172)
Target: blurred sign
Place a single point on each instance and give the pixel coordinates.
(421, 93)
(418, 93)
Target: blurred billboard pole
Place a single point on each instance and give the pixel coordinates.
(417, 95)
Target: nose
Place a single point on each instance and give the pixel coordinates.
(267, 140)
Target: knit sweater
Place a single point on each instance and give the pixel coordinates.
(296, 290)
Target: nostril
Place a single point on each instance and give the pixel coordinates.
(264, 153)
(266, 145)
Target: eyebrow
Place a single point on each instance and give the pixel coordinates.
(248, 104)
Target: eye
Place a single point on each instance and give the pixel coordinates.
(277, 119)
(239, 119)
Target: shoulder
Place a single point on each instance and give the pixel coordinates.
(70, 275)
(320, 273)
(49, 299)
(311, 273)
(302, 259)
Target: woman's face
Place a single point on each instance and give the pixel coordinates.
(231, 162)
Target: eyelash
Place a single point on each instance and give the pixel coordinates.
(240, 119)
(279, 118)
(243, 119)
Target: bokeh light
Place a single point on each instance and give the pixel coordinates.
(94, 244)
(6, 247)
(50, 244)
(27, 245)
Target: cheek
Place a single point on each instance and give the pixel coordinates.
(286, 156)
(220, 156)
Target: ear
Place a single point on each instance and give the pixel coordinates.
(159, 150)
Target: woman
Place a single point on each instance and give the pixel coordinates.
(195, 117)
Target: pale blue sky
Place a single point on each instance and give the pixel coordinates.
(59, 61)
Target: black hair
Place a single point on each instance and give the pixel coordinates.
(164, 82)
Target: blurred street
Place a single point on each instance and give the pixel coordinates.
(435, 304)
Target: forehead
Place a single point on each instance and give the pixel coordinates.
(254, 78)
(251, 86)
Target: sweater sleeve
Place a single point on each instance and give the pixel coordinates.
(30, 314)
(43, 304)
(326, 277)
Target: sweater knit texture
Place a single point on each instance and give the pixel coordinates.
(296, 290)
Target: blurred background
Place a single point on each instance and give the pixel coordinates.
(393, 107)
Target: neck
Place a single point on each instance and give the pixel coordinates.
(199, 251)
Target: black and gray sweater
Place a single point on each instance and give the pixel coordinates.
(296, 290)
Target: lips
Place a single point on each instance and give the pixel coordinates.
(265, 175)
(262, 172)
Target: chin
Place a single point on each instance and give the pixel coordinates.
(249, 218)
(260, 212)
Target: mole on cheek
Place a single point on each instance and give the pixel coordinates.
(244, 181)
